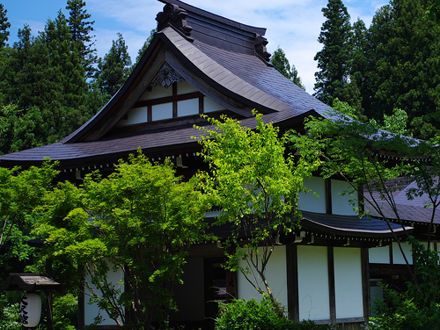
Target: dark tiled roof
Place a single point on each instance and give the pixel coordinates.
(223, 76)
(74, 153)
(257, 73)
(351, 225)
(412, 210)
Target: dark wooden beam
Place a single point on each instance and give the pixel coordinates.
(292, 282)
(149, 113)
(365, 262)
(174, 100)
(379, 270)
(331, 283)
(391, 253)
(328, 196)
(169, 99)
(201, 105)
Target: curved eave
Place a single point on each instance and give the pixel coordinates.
(351, 226)
(165, 143)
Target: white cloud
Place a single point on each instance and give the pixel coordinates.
(293, 25)
(134, 14)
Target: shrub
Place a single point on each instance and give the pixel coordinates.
(419, 306)
(249, 314)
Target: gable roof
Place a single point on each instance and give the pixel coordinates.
(224, 59)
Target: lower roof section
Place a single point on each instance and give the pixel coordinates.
(352, 226)
(166, 142)
(331, 227)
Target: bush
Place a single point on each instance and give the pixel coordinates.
(249, 314)
(419, 306)
(401, 312)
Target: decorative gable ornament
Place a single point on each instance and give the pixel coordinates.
(260, 47)
(166, 77)
(174, 16)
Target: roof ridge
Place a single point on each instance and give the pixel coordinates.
(248, 28)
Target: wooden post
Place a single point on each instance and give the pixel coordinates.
(292, 282)
(331, 284)
(365, 283)
(49, 310)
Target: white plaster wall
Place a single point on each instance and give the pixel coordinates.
(341, 203)
(313, 200)
(276, 276)
(188, 107)
(379, 255)
(162, 111)
(348, 282)
(397, 254)
(211, 106)
(313, 293)
(157, 92)
(135, 116)
(92, 310)
(184, 87)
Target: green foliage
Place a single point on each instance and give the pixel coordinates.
(281, 63)
(20, 129)
(395, 63)
(65, 309)
(114, 68)
(81, 29)
(20, 193)
(419, 306)
(44, 93)
(397, 122)
(4, 26)
(335, 55)
(144, 47)
(353, 150)
(242, 314)
(139, 219)
(346, 109)
(256, 186)
(46, 81)
(9, 314)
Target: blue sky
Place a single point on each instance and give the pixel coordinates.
(293, 25)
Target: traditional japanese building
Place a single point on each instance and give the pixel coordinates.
(202, 63)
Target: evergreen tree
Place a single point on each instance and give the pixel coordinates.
(81, 28)
(4, 52)
(409, 71)
(32, 83)
(281, 63)
(401, 65)
(65, 63)
(378, 34)
(48, 85)
(142, 50)
(145, 46)
(357, 67)
(114, 69)
(333, 59)
(4, 26)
